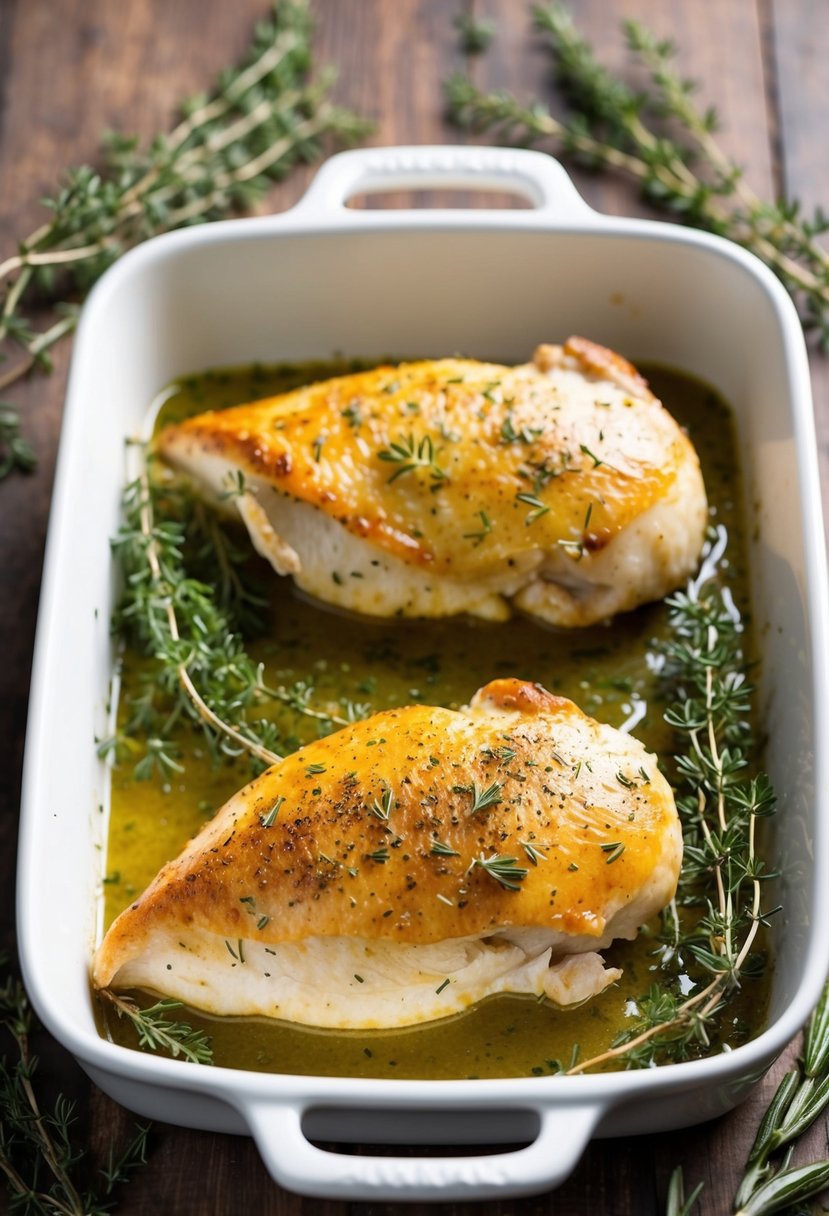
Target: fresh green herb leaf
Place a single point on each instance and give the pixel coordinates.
(505, 870)
(481, 799)
(411, 454)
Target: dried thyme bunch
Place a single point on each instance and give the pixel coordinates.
(262, 117)
(658, 137)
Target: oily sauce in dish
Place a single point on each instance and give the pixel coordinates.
(607, 670)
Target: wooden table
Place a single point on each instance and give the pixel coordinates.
(71, 69)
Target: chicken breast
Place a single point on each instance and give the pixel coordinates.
(410, 865)
(562, 488)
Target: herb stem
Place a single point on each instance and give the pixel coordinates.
(205, 712)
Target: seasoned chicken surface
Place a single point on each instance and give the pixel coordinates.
(562, 488)
(410, 865)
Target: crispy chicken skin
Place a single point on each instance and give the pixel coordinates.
(353, 883)
(561, 487)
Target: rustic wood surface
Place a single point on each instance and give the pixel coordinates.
(69, 69)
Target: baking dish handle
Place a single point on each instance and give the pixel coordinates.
(300, 1166)
(534, 176)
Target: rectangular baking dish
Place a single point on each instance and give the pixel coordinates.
(492, 284)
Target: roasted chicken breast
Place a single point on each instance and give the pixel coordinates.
(562, 487)
(408, 866)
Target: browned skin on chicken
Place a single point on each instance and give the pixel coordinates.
(373, 832)
(451, 485)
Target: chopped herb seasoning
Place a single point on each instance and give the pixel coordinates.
(540, 508)
(509, 434)
(481, 799)
(535, 855)
(442, 850)
(504, 870)
(593, 457)
(482, 533)
(383, 808)
(411, 454)
(270, 818)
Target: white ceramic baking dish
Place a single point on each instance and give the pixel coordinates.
(325, 278)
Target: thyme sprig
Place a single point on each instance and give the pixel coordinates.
(45, 1173)
(505, 870)
(158, 1032)
(409, 454)
(656, 136)
(719, 908)
(185, 604)
(261, 118)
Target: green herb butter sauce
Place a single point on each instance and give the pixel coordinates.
(607, 670)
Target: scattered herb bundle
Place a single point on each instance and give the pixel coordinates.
(657, 137)
(45, 1172)
(262, 117)
(186, 604)
(710, 930)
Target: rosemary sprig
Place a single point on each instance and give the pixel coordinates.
(262, 117)
(45, 1173)
(770, 1182)
(720, 908)
(656, 136)
(157, 1032)
(678, 1204)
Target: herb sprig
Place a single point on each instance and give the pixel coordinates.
(45, 1172)
(185, 603)
(409, 454)
(719, 908)
(656, 136)
(157, 1032)
(770, 1183)
(505, 870)
(262, 117)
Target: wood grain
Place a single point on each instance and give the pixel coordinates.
(69, 70)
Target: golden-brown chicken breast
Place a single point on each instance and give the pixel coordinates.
(410, 865)
(449, 486)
